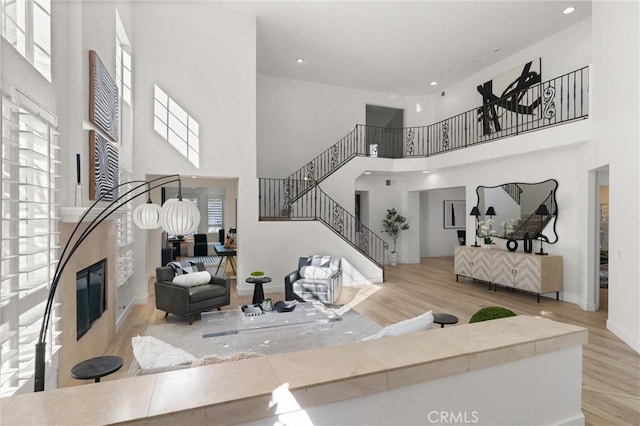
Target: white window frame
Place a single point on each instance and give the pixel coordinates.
(29, 45)
(30, 237)
(213, 227)
(176, 126)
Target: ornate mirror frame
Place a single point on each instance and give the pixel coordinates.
(518, 210)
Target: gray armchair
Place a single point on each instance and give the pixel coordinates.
(301, 284)
(183, 300)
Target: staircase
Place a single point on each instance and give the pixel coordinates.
(533, 225)
(277, 203)
(298, 197)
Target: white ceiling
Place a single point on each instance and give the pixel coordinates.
(398, 46)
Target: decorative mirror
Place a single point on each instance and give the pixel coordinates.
(517, 211)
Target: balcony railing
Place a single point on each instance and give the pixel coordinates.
(277, 203)
(559, 100)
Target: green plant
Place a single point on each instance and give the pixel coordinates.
(394, 223)
(491, 312)
(257, 274)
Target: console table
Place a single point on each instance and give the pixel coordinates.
(523, 271)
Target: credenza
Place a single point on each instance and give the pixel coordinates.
(523, 271)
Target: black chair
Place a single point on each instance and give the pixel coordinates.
(200, 245)
(183, 300)
(462, 237)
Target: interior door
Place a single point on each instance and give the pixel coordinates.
(385, 129)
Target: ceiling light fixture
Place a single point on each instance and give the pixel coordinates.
(367, 173)
(434, 83)
(300, 60)
(425, 171)
(569, 10)
(496, 49)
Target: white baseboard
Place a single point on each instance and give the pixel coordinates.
(630, 340)
(141, 300)
(577, 421)
(123, 316)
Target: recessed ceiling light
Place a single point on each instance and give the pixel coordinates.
(434, 83)
(425, 171)
(496, 49)
(569, 10)
(194, 177)
(300, 60)
(367, 173)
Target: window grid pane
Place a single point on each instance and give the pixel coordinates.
(182, 130)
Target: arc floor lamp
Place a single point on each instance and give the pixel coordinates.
(176, 216)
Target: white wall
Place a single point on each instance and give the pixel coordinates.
(434, 239)
(561, 53)
(206, 63)
(615, 113)
(303, 119)
(545, 389)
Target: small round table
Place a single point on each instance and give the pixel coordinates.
(97, 367)
(258, 291)
(443, 319)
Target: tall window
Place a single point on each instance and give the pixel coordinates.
(26, 25)
(30, 237)
(173, 123)
(214, 215)
(123, 71)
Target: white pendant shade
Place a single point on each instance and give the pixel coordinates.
(147, 216)
(179, 217)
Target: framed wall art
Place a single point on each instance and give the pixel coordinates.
(454, 212)
(103, 167)
(508, 95)
(103, 97)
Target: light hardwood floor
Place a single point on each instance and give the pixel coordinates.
(610, 378)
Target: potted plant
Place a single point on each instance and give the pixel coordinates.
(394, 223)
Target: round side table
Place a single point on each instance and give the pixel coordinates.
(443, 319)
(97, 367)
(258, 291)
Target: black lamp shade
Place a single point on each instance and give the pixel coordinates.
(542, 210)
(490, 211)
(474, 211)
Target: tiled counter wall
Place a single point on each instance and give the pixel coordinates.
(518, 370)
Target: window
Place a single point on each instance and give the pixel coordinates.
(30, 237)
(26, 25)
(214, 215)
(123, 71)
(173, 123)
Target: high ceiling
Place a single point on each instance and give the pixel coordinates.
(399, 46)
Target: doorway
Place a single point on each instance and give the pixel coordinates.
(384, 131)
(602, 179)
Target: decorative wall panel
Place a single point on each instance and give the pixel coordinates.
(103, 97)
(507, 95)
(103, 169)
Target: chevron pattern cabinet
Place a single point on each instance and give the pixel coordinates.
(523, 271)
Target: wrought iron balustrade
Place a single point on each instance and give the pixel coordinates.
(534, 224)
(277, 203)
(552, 102)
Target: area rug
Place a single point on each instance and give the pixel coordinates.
(353, 327)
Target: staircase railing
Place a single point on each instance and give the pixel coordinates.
(534, 224)
(277, 203)
(559, 100)
(514, 190)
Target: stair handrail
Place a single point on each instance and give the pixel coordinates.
(514, 190)
(541, 222)
(461, 131)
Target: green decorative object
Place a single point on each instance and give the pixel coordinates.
(491, 312)
(257, 274)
